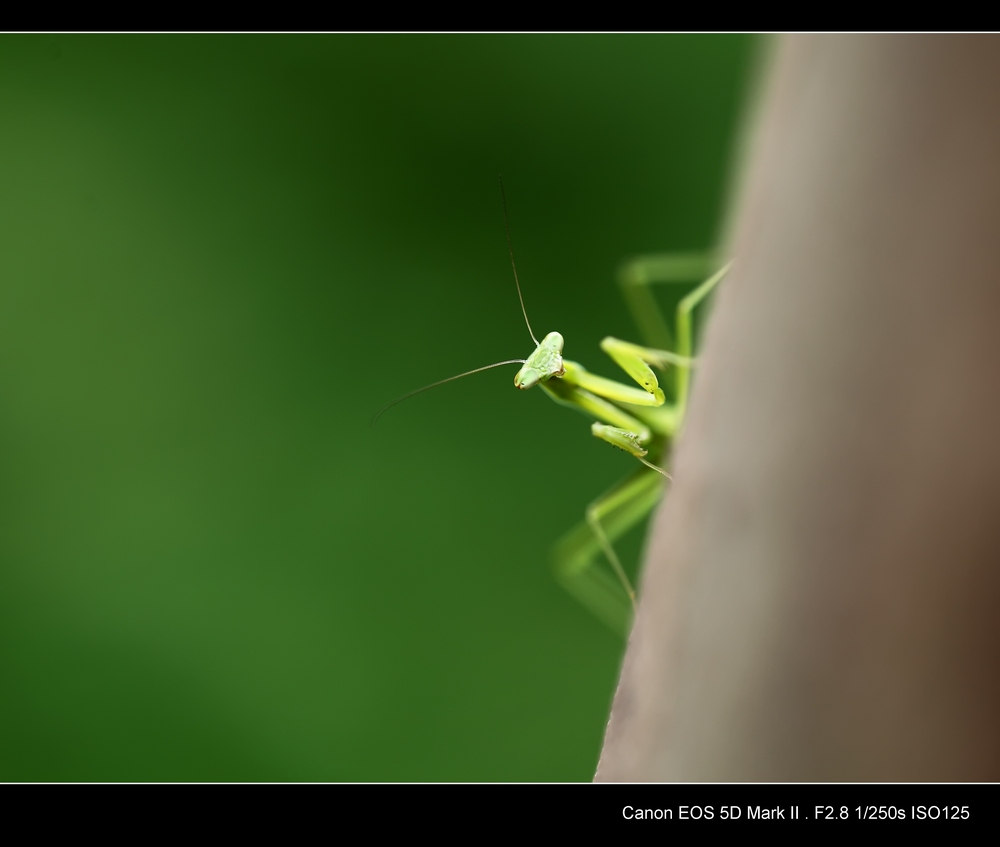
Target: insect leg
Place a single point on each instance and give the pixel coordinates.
(606, 594)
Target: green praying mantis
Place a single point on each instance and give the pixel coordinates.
(642, 421)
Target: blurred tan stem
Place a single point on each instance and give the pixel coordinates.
(821, 599)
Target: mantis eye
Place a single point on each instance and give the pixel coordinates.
(525, 378)
(554, 341)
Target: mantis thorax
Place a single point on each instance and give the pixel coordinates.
(543, 364)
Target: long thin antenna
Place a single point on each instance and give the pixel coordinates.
(510, 247)
(409, 394)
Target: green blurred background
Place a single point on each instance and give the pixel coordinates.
(219, 255)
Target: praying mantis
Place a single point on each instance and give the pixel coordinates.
(641, 421)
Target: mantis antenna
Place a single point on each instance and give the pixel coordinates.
(510, 247)
(410, 394)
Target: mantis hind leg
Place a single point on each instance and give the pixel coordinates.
(604, 591)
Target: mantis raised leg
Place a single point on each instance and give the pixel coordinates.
(642, 421)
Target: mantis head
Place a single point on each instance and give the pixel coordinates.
(545, 363)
